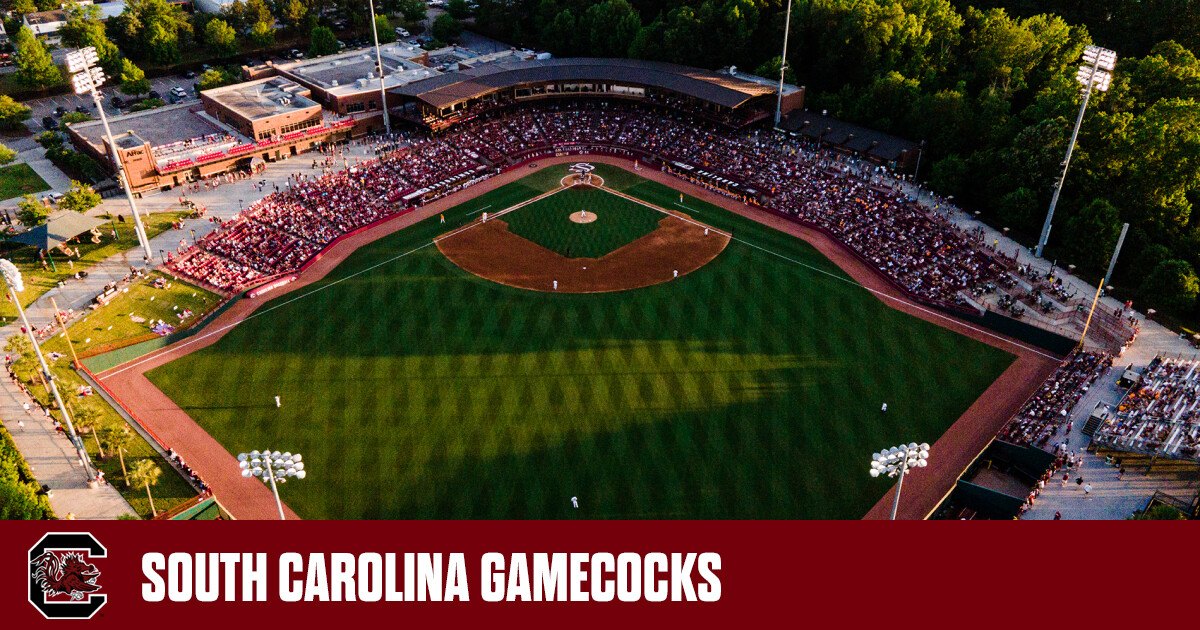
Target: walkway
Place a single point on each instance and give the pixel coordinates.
(53, 460)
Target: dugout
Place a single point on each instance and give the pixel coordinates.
(995, 485)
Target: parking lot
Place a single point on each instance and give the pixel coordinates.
(46, 106)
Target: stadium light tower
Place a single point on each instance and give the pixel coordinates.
(272, 467)
(787, 25)
(387, 123)
(86, 78)
(899, 461)
(1094, 74)
(16, 284)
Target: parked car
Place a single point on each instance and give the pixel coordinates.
(178, 94)
(190, 74)
(341, 45)
(118, 102)
(60, 111)
(51, 198)
(400, 32)
(83, 109)
(154, 94)
(49, 123)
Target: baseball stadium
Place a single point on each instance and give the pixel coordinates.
(582, 289)
(567, 289)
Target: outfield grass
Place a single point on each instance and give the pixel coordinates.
(750, 388)
(20, 179)
(618, 222)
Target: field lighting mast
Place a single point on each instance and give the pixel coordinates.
(787, 25)
(12, 276)
(87, 77)
(272, 467)
(387, 123)
(899, 461)
(1094, 74)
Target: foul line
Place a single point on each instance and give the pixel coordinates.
(885, 296)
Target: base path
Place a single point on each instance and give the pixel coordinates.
(924, 489)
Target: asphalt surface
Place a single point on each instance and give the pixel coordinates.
(45, 106)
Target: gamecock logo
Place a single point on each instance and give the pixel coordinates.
(582, 167)
(62, 578)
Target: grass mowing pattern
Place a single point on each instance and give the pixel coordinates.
(618, 222)
(751, 388)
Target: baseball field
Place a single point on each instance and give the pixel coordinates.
(749, 386)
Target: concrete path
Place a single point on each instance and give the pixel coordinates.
(54, 462)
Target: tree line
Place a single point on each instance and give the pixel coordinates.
(989, 87)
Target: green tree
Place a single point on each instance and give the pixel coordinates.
(322, 42)
(769, 69)
(458, 9)
(13, 114)
(49, 140)
(383, 27)
(611, 27)
(84, 28)
(88, 420)
(71, 118)
(413, 10)
(162, 44)
(951, 175)
(133, 80)
(21, 7)
(1092, 233)
(215, 78)
(559, 36)
(1172, 285)
(32, 212)
(263, 32)
(446, 28)
(1018, 208)
(36, 69)
(219, 39)
(1159, 513)
(80, 198)
(7, 155)
(146, 473)
(258, 11)
(294, 14)
(117, 438)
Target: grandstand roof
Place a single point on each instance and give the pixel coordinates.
(854, 137)
(451, 88)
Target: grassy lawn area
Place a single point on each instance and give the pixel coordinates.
(39, 280)
(108, 325)
(114, 323)
(744, 390)
(19, 179)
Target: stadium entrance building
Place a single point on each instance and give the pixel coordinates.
(269, 119)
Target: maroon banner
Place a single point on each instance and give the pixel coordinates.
(828, 575)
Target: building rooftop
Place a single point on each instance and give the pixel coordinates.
(472, 82)
(354, 71)
(263, 98)
(159, 127)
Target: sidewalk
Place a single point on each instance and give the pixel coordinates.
(54, 462)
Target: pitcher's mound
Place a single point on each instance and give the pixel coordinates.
(583, 217)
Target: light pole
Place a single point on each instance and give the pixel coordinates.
(1095, 73)
(899, 461)
(12, 276)
(1096, 299)
(787, 25)
(272, 467)
(387, 123)
(87, 79)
